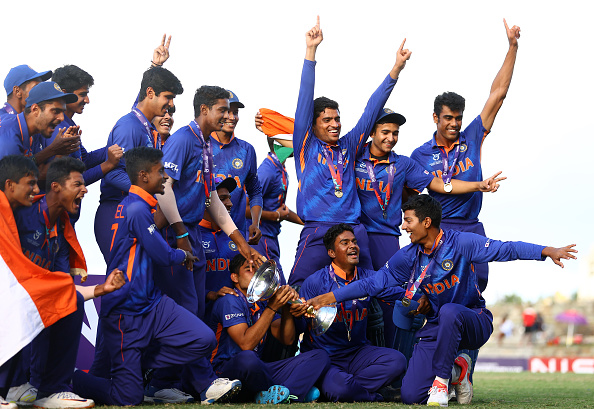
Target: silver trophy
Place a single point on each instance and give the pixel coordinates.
(266, 281)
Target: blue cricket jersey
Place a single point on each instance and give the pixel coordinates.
(219, 249)
(237, 159)
(44, 245)
(450, 274)
(129, 132)
(14, 136)
(335, 339)
(315, 192)
(274, 180)
(136, 248)
(6, 111)
(228, 311)
(468, 205)
(182, 158)
(407, 172)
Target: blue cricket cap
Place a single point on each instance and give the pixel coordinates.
(21, 74)
(46, 91)
(233, 99)
(229, 183)
(389, 116)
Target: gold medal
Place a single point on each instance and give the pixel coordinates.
(338, 193)
(405, 302)
(207, 202)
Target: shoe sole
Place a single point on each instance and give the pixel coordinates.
(274, 398)
(227, 395)
(65, 407)
(437, 404)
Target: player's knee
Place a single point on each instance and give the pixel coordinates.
(249, 361)
(449, 314)
(321, 359)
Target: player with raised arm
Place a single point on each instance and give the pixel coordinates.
(439, 264)
(325, 162)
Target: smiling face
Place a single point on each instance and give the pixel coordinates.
(155, 179)
(231, 122)
(418, 230)
(448, 124)
(384, 138)
(164, 124)
(71, 192)
(21, 193)
(346, 250)
(225, 197)
(45, 120)
(214, 117)
(78, 106)
(327, 126)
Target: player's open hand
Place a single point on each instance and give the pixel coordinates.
(259, 121)
(402, 55)
(314, 37)
(300, 309)
(556, 254)
(189, 260)
(161, 53)
(491, 184)
(66, 142)
(512, 34)
(254, 234)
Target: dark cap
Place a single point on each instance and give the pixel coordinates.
(389, 116)
(46, 91)
(234, 100)
(21, 74)
(230, 184)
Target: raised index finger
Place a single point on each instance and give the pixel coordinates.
(505, 23)
(163, 40)
(318, 22)
(168, 42)
(402, 45)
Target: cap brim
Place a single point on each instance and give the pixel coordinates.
(69, 98)
(239, 104)
(393, 118)
(45, 75)
(230, 184)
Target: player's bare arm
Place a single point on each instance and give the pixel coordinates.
(284, 329)
(460, 186)
(502, 80)
(561, 253)
(321, 300)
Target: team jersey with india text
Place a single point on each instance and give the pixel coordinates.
(137, 248)
(237, 159)
(349, 315)
(228, 311)
(450, 274)
(468, 167)
(274, 180)
(129, 132)
(407, 172)
(182, 158)
(47, 247)
(14, 136)
(316, 199)
(219, 249)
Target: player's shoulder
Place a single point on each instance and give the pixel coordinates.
(8, 124)
(316, 280)
(425, 148)
(227, 305)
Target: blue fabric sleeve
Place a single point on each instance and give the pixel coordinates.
(142, 226)
(94, 158)
(12, 146)
(416, 177)
(305, 107)
(229, 312)
(252, 184)
(479, 249)
(475, 131)
(175, 153)
(118, 178)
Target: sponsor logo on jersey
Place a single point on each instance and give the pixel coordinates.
(488, 243)
(170, 165)
(436, 156)
(152, 228)
(235, 315)
(447, 265)
(237, 163)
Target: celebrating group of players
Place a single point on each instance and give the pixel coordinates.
(185, 219)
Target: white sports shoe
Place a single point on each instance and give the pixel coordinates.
(23, 395)
(171, 395)
(463, 386)
(438, 394)
(7, 405)
(64, 400)
(220, 389)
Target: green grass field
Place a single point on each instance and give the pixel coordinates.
(491, 390)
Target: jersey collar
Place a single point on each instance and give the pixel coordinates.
(144, 195)
(222, 145)
(367, 156)
(342, 274)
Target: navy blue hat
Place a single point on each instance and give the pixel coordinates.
(21, 74)
(389, 116)
(233, 99)
(230, 183)
(46, 91)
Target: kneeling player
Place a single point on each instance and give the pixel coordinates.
(142, 328)
(242, 329)
(358, 370)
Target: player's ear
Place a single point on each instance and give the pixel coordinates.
(427, 222)
(56, 187)
(235, 278)
(435, 118)
(204, 109)
(150, 92)
(331, 254)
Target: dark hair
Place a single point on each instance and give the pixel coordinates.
(320, 104)
(335, 231)
(160, 80)
(59, 170)
(236, 263)
(70, 78)
(452, 100)
(15, 167)
(208, 95)
(425, 206)
(40, 104)
(141, 158)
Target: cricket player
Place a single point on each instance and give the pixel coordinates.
(18, 83)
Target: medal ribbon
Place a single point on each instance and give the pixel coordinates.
(413, 285)
(154, 138)
(207, 160)
(50, 232)
(448, 171)
(336, 174)
(391, 172)
(29, 150)
(8, 108)
(354, 304)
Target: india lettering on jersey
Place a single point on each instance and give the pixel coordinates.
(37, 259)
(460, 167)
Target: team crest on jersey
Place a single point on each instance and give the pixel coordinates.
(237, 163)
(344, 151)
(36, 235)
(232, 246)
(436, 156)
(463, 147)
(447, 264)
(205, 244)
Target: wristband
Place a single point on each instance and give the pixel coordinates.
(181, 236)
(278, 218)
(275, 311)
(155, 64)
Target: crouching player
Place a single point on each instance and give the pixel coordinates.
(242, 329)
(142, 328)
(440, 264)
(358, 370)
